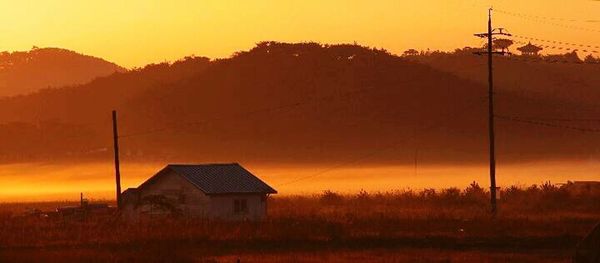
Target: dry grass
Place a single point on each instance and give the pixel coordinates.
(399, 255)
(445, 226)
(340, 255)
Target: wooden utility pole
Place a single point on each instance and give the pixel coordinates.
(116, 150)
(492, 140)
(492, 137)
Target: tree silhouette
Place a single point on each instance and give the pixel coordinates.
(410, 52)
(502, 44)
(591, 59)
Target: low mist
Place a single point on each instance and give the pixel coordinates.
(43, 181)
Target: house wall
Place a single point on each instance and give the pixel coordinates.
(185, 196)
(129, 199)
(193, 202)
(582, 188)
(223, 206)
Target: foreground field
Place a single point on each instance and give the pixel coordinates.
(536, 224)
(343, 255)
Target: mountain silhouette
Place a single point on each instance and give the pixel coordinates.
(282, 103)
(558, 76)
(24, 72)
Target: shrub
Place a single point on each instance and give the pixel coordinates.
(330, 198)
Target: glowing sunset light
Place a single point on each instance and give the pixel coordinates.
(135, 33)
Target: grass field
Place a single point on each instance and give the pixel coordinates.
(534, 224)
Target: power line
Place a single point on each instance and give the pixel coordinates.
(538, 20)
(79, 136)
(556, 47)
(382, 149)
(563, 119)
(545, 17)
(243, 115)
(545, 124)
(566, 108)
(555, 42)
(547, 60)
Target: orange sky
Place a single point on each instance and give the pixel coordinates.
(136, 32)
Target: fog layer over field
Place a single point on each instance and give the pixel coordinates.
(44, 181)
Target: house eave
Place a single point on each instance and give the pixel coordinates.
(241, 193)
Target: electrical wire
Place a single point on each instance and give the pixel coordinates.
(555, 42)
(545, 17)
(382, 149)
(245, 115)
(557, 47)
(545, 124)
(541, 21)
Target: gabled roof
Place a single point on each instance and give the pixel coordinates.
(529, 48)
(229, 178)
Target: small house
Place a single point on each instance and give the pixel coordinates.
(225, 191)
(582, 188)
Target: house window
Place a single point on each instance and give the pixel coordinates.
(240, 206)
(244, 205)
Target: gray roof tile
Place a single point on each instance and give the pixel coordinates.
(222, 178)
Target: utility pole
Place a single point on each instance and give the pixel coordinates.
(492, 141)
(116, 150)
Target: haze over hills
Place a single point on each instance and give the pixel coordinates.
(560, 76)
(23, 72)
(304, 102)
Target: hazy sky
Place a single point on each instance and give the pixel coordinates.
(136, 32)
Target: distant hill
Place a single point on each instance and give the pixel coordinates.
(23, 72)
(563, 77)
(305, 102)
